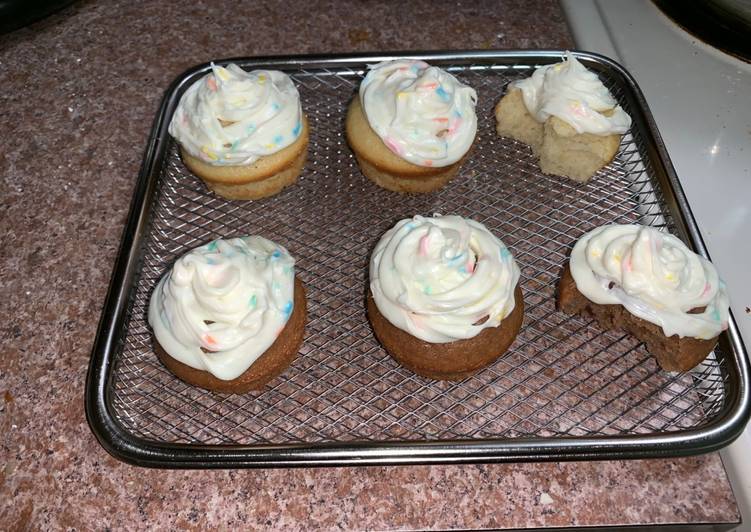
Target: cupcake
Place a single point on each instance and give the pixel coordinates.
(243, 133)
(567, 116)
(411, 125)
(230, 315)
(649, 283)
(444, 296)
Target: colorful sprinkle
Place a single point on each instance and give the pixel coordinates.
(222, 73)
(442, 94)
(276, 254)
(455, 260)
(288, 308)
(424, 241)
(262, 78)
(297, 130)
(392, 145)
(251, 128)
(470, 268)
(269, 146)
(427, 290)
(707, 288)
(253, 301)
(454, 126)
(274, 106)
(440, 119)
(428, 86)
(210, 154)
(212, 246)
(716, 315)
(401, 95)
(208, 339)
(278, 139)
(427, 162)
(211, 83)
(505, 253)
(577, 109)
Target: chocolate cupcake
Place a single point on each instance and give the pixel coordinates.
(649, 283)
(444, 297)
(230, 315)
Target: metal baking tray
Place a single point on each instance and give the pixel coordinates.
(566, 390)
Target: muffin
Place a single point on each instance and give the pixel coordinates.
(649, 283)
(567, 116)
(230, 315)
(411, 125)
(243, 133)
(444, 297)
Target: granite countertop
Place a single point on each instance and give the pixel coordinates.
(80, 90)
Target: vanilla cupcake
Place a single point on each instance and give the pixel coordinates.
(243, 133)
(411, 125)
(230, 315)
(567, 116)
(444, 296)
(649, 283)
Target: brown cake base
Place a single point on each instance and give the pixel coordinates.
(673, 353)
(269, 365)
(451, 361)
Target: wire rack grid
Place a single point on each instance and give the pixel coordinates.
(563, 377)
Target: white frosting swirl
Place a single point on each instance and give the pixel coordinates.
(422, 113)
(234, 117)
(654, 276)
(575, 95)
(438, 278)
(245, 286)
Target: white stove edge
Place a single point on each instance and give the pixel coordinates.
(701, 101)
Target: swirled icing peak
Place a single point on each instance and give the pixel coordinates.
(234, 117)
(438, 278)
(575, 95)
(421, 113)
(654, 276)
(223, 304)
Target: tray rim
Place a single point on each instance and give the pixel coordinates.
(138, 451)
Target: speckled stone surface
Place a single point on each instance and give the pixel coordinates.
(80, 90)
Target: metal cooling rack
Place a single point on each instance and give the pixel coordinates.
(565, 390)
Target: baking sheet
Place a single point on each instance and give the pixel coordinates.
(565, 389)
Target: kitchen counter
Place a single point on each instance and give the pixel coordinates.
(80, 90)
